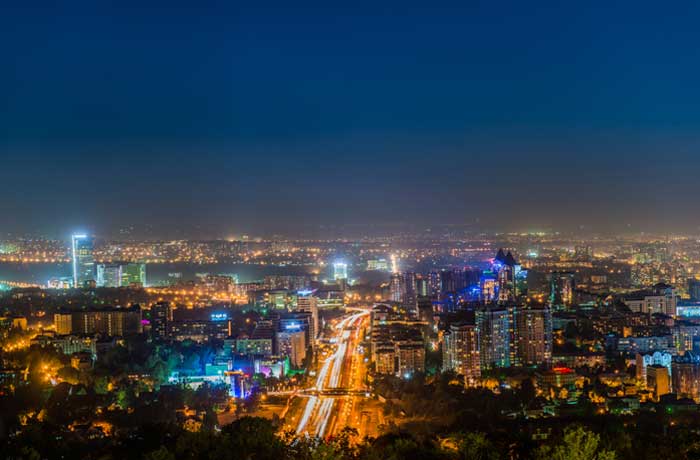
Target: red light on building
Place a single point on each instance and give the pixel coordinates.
(562, 370)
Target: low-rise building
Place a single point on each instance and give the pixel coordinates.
(658, 380)
(556, 378)
(657, 358)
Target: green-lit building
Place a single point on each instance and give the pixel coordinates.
(134, 274)
(121, 274)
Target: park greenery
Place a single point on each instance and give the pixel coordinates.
(252, 438)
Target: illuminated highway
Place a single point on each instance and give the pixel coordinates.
(341, 374)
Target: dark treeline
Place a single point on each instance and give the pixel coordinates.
(256, 438)
(435, 420)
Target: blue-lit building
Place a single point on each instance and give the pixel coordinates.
(688, 309)
(494, 325)
(83, 248)
(504, 266)
(240, 384)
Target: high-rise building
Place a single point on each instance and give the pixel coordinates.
(161, 319)
(455, 280)
(685, 376)
(561, 290)
(488, 285)
(121, 275)
(461, 352)
(292, 343)
(112, 322)
(109, 275)
(422, 286)
(384, 357)
(296, 321)
(504, 266)
(396, 347)
(410, 290)
(63, 323)
(83, 249)
(403, 288)
(685, 336)
(449, 281)
(134, 274)
(495, 328)
(410, 358)
(396, 287)
(340, 271)
(434, 284)
(520, 280)
(534, 335)
(308, 303)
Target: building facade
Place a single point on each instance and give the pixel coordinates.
(534, 335)
(461, 352)
(83, 251)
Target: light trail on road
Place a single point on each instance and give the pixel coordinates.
(310, 405)
(322, 407)
(324, 416)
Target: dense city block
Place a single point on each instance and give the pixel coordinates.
(511, 344)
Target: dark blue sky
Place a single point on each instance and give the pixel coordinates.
(263, 117)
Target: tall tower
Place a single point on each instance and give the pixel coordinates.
(83, 260)
(409, 297)
(396, 287)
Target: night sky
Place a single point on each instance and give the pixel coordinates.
(216, 118)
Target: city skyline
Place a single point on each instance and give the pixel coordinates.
(316, 230)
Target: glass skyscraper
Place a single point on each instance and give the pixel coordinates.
(121, 275)
(109, 275)
(83, 260)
